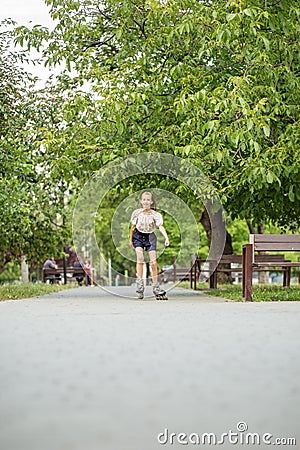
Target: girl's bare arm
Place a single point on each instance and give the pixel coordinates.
(133, 227)
(165, 235)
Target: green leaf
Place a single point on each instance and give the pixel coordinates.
(247, 12)
(266, 42)
(250, 124)
(230, 17)
(219, 156)
(291, 195)
(266, 131)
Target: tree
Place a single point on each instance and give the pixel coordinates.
(32, 216)
(215, 82)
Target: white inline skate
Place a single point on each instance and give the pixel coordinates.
(140, 289)
(159, 293)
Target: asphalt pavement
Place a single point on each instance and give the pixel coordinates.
(94, 369)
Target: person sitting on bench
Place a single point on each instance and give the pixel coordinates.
(79, 277)
(51, 264)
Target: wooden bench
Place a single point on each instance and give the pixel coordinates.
(175, 274)
(197, 268)
(62, 273)
(266, 243)
(225, 265)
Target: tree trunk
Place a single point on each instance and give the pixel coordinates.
(223, 277)
(24, 270)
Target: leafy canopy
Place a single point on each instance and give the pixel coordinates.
(32, 199)
(215, 82)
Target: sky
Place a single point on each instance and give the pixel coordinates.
(25, 11)
(28, 12)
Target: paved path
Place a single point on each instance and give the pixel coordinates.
(87, 370)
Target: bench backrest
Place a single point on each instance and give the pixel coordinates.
(275, 242)
(269, 258)
(228, 259)
(237, 259)
(61, 269)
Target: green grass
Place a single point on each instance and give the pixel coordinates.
(27, 290)
(261, 293)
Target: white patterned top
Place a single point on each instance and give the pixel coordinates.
(146, 223)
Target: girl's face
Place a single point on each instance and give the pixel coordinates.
(146, 201)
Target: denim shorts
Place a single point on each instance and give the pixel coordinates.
(146, 241)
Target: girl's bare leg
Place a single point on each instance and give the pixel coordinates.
(153, 264)
(139, 262)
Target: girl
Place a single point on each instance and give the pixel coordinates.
(144, 221)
